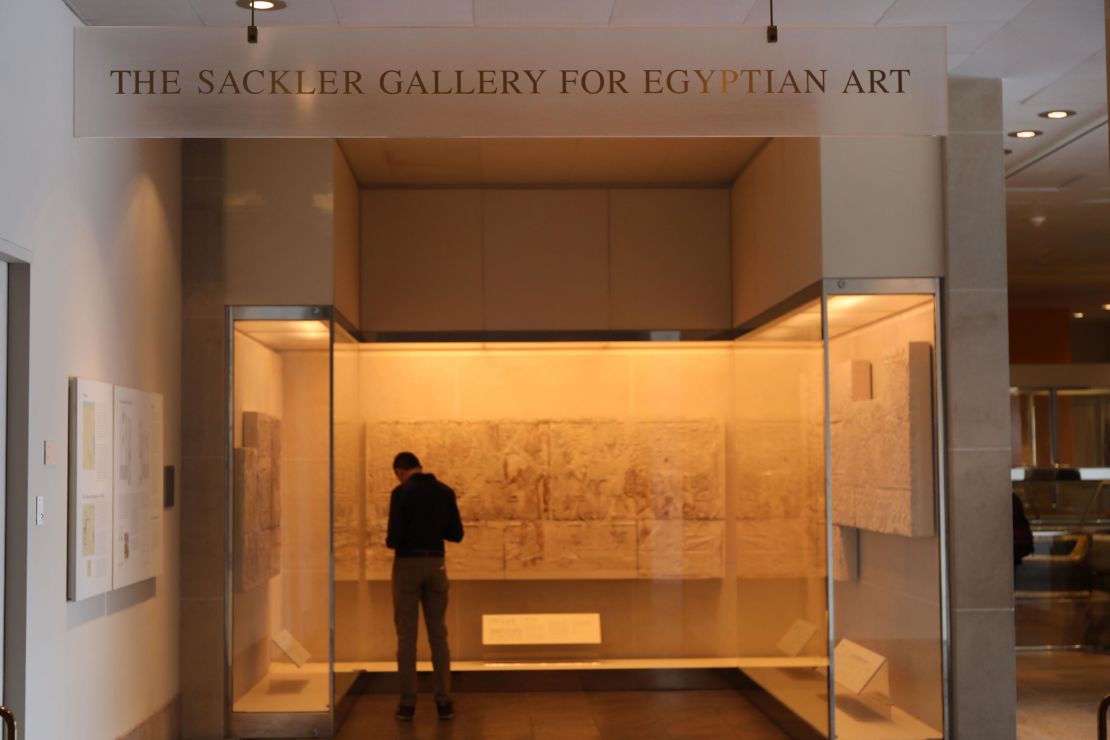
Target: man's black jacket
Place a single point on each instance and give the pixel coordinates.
(422, 514)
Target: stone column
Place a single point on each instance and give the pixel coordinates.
(977, 407)
(203, 442)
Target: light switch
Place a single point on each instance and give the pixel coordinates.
(50, 453)
(40, 511)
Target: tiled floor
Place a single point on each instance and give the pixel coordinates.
(1058, 694)
(569, 715)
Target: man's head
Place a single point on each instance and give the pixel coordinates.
(404, 465)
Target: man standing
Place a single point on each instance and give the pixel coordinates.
(422, 514)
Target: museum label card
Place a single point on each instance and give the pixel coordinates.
(541, 629)
(856, 665)
(797, 637)
(293, 649)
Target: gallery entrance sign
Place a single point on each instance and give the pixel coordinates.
(509, 82)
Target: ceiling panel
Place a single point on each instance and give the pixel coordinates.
(528, 162)
(542, 12)
(548, 162)
(135, 12)
(448, 162)
(1044, 41)
(298, 13)
(965, 38)
(952, 11)
(810, 12)
(1083, 164)
(405, 12)
(708, 160)
(680, 13)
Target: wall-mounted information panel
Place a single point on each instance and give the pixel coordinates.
(115, 487)
(518, 82)
(90, 489)
(137, 540)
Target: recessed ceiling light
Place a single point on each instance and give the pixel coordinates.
(261, 4)
(1077, 315)
(1106, 306)
(1057, 114)
(1025, 133)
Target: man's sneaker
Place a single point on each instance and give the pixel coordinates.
(405, 714)
(445, 710)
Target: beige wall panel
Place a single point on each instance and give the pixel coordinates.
(776, 237)
(882, 207)
(347, 278)
(669, 257)
(278, 228)
(421, 260)
(546, 259)
(745, 290)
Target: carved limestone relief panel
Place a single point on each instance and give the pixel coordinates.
(564, 498)
(257, 501)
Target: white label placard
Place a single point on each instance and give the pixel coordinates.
(856, 665)
(541, 629)
(292, 648)
(797, 637)
(510, 82)
(90, 489)
(137, 548)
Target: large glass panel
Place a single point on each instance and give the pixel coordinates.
(885, 531)
(348, 508)
(280, 520)
(777, 441)
(597, 485)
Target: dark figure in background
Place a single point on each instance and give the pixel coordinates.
(422, 514)
(1023, 533)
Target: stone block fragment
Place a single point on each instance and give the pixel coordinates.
(882, 448)
(680, 549)
(780, 548)
(571, 550)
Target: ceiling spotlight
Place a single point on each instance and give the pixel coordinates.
(261, 4)
(1106, 306)
(1077, 315)
(1057, 114)
(1025, 134)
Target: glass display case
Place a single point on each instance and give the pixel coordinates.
(866, 652)
(764, 501)
(290, 380)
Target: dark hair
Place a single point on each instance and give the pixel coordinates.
(406, 461)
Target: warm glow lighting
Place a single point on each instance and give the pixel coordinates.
(1106, 306)
(1057, 114)
(262, 5)
(1025, 134)
(1077, 315)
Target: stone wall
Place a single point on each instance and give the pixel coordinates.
(577, 499)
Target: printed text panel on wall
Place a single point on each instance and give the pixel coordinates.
(509, 82)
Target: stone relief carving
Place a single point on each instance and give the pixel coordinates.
(257, 501)
(882, 444)
(563, 499)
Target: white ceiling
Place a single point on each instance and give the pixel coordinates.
(1048, 53)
